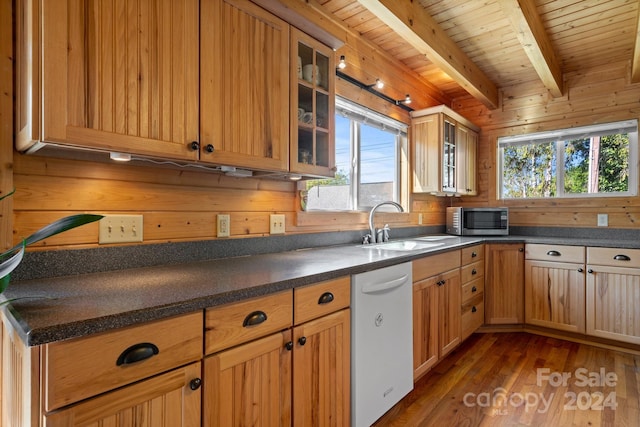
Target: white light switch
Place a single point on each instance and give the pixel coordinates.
(120, 229)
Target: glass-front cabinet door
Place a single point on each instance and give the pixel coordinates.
(313, 105)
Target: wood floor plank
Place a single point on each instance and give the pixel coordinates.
(521, 379)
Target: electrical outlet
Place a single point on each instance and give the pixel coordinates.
(276, 224)
(120, 229)
(603, 220)
(224, 225)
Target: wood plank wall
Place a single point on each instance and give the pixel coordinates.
(599, 94)
(6, 120)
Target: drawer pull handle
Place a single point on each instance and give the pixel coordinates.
(195, 383)
(474, 254)
(621, 258)
(474, 289)
(474, 309)
(254, 318)
(325, 298)
(553, 253)
(137, 353)
(474, 271)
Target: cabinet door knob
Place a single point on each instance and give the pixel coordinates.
(590, 271)
(137, 353)
(289, 345)
(580, 270)
(302, 340)
(195, 383)
(622, 258)
(254, 318)
(474, 309)
(553, 253)
(194, 145)
(209, 148)
(474, 271)
(520, 249)
(474, 289)
(325, 298)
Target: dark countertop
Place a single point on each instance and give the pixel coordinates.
(58, 308)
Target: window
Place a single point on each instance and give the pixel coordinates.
(370, 154)
(589, 161)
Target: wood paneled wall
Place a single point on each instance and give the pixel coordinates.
(596, 95)
(6, 120)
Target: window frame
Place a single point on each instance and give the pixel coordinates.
(358, 115)
(559, 138)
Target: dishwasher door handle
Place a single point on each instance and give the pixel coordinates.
(370, 288)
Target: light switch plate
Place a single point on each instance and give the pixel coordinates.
(276, 224)
(603, 220)
(224, 225)
(120, 229)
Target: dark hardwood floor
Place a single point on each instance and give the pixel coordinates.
(520, 379)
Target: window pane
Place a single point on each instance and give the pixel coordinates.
(597, 164)
(529, 170)
(377, 166)
(333, 194)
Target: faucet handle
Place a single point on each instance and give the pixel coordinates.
(385, 233)
(366, 239)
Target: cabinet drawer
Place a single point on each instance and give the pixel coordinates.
(472, 289)
(614, 257)
(472, 316)
(236, 323)
(319, 299)
(435, 264)
(472, 254)
(472, 271)
(555, 253)
(83, 367)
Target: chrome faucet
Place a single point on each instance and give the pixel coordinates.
(382, 235)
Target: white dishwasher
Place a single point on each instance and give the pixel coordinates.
(381, 341)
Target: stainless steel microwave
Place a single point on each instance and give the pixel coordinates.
(478, 221)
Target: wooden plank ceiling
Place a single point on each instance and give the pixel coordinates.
(477, 47)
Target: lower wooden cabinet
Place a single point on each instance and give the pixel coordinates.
(613, 292)
(436, 309)
(249, 384)
(297, 376)
(144, 375)
(555, 287)
(167, 400)
(504, 283)
(472, 286)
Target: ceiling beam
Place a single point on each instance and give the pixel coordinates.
(412, 22)
(635, 65)
(533, 37)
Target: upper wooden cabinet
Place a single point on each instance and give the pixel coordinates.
(198, 81)
(244, 91)
(117, 76)
(444, 147)
(312, 106)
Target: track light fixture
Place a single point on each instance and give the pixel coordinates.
(406, 100)
(342, 63)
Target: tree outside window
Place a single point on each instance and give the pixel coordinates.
(591, 161)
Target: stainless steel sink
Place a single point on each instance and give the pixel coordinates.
(432, 238)
(403, 245)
